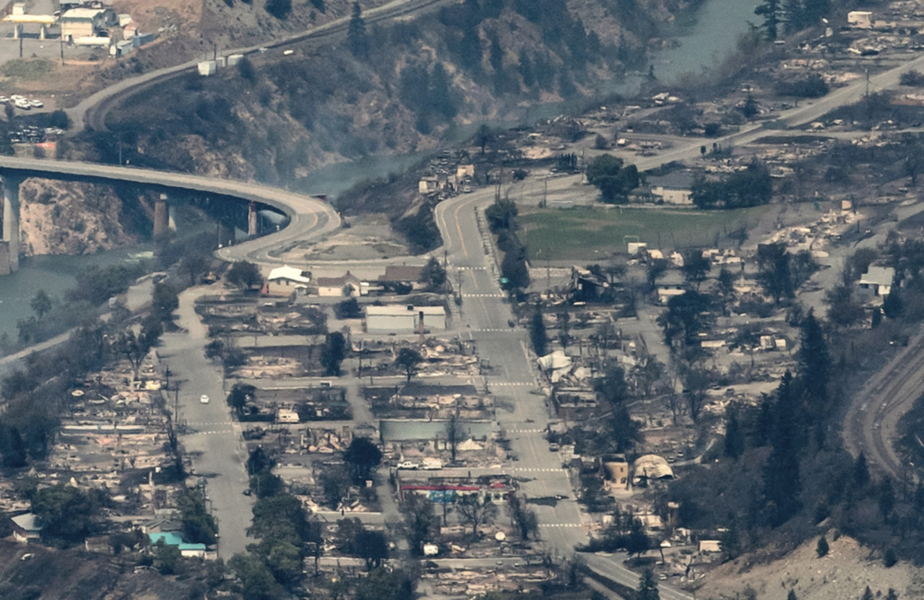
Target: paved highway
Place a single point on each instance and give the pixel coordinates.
(92, 111)
(484, 311)
(308, 217)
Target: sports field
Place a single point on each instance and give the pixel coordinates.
(586, 234)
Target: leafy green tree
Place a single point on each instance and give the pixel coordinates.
(335, 484)
(523, 518)
(501, 215)
(244, 275)
(372, 547)
(730, 540)
(656, 269)
(167, 559)
(348, 309)
(332, 353)
(40, 304)
(361, 457)
(14, 449)
(279, 8)
(638, 541)
(433, 275)
(614, 181)
(408, 359)
(612, 385)
(648, 587)
(822, 548)
(686, 317)
(695, 267)
(844, 309)
(259, 461)
(66, 513)
(418, 522)
(195, 265)
(241, 394)
(382, 584)
(257, 581)
(164, 301)
(537, 334)
(774, 275)
(199, 527)
(357, 41)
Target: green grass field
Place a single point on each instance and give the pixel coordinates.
(586, 234)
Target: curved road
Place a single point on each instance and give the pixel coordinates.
(484, 308)
(92, 111)
(308, 217)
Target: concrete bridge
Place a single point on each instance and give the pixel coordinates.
(308, 217)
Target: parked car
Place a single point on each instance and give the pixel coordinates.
(204, 399)
(408, 465)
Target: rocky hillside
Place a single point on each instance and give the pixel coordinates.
(394, 88)
(74, 218)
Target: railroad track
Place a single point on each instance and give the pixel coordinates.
(870, 421)
(95, 115)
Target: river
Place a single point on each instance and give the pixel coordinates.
(704, 35)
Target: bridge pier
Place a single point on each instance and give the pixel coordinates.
(161, 216)
(10, 223)
(252, 220)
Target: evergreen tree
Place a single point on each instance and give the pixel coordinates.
(892, 305)
(860, 471)
(867, 594)
(734, 437)
(814, 362)
(793, 12)
(792, 595)
(648, 587)
(356, 33)
(770, 11)
(537, 335)
(782, 484)
(822, 548)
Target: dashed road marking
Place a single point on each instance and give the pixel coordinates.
(209, 423)
(561, 524)
(515, 384)
(212, 432)
(497, 330)
(483, 296)
(525, 430)
(541, 470)
(471, 268)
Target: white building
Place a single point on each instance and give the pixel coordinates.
(861, 19)
(284, 281)
(404, 319)
(877, 281)
(349, 286)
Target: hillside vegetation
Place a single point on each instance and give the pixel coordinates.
(385, 89)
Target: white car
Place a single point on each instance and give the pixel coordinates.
(16, 97)
(4, 100)
(204, 399)
(23, 104)
(37, 104)
(408, 465)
